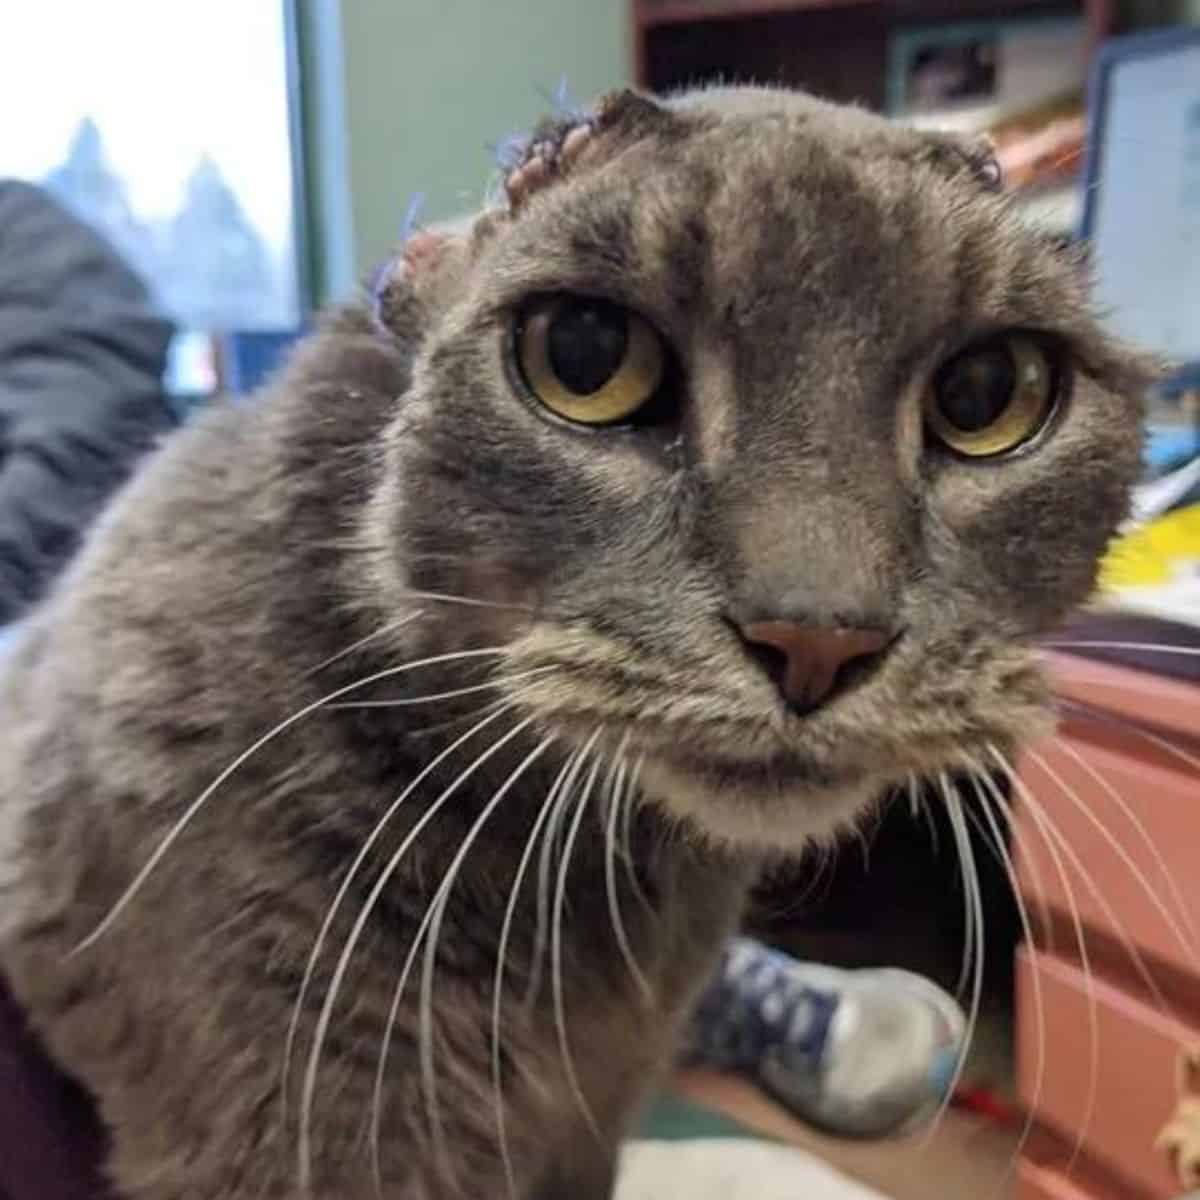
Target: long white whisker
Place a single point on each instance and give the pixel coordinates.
(998, 842)
(1145, 647)
(407, 701)
(556, 978)
(825, 856)
(468, 601)
(966, 854)
(1106, 718)
(865, 846)
(1050, 836)
(390, 627)
(631, 791)
(1187, 942)
(610, 876)
(971, 950)
(627, 815)
(196, 805)
(543, 814)
(1045, 924)
(347, 882)
(434, 917)
(541, 935)
(919, 807)
(385, 876)
(914, 799)
(441, 727)
(1118, 926)
(931, 825)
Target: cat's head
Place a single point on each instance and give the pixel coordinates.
(779, 436)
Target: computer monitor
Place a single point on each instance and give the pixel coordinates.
(1141, 209)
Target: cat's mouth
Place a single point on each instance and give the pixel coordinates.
(780, 772)
(773, 803)
(784, 799)
(714, 747)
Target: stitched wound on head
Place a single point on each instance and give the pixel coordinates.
(553, 150)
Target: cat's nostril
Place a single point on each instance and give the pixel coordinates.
(772, 660)
(808, 663)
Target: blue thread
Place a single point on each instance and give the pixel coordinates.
(380, 278)
(509, 152)
(415, 202)
(382, 274)
(562, 103)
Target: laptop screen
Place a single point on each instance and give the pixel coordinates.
(1144, 210)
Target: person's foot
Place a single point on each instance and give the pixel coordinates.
(867, 1053)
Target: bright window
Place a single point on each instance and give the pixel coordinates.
(167, 124)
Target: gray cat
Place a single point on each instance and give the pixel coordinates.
(383, 780)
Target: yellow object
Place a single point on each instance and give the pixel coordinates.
(1158, 553)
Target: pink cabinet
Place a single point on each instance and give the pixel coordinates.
(1121, 785)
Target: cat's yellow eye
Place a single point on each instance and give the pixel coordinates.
(992, 397)
(590, 361)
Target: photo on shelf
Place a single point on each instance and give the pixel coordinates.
(970, 73)
(939, 76)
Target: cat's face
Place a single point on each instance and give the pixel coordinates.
(831, 382)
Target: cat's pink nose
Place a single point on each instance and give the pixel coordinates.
(807, 662)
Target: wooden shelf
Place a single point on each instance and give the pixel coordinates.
(651, 13)
(677, 12)
(835, 48)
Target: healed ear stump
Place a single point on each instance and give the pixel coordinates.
(977, 153)
(982, 155)
(419, 279)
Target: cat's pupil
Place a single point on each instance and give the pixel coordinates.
(977, 388)
(586, 343)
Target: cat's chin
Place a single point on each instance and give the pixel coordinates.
(765, 807)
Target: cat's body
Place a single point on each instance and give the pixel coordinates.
(810, 268)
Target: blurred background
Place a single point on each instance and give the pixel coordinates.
(254, 159)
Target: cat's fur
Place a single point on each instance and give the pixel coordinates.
(811, 266)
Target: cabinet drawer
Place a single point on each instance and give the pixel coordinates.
(1136, 1060)
(1164, 799)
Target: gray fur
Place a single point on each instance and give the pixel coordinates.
(811, 267)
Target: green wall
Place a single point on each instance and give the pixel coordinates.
(426, 85)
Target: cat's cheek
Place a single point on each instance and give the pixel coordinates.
(1026, 542)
